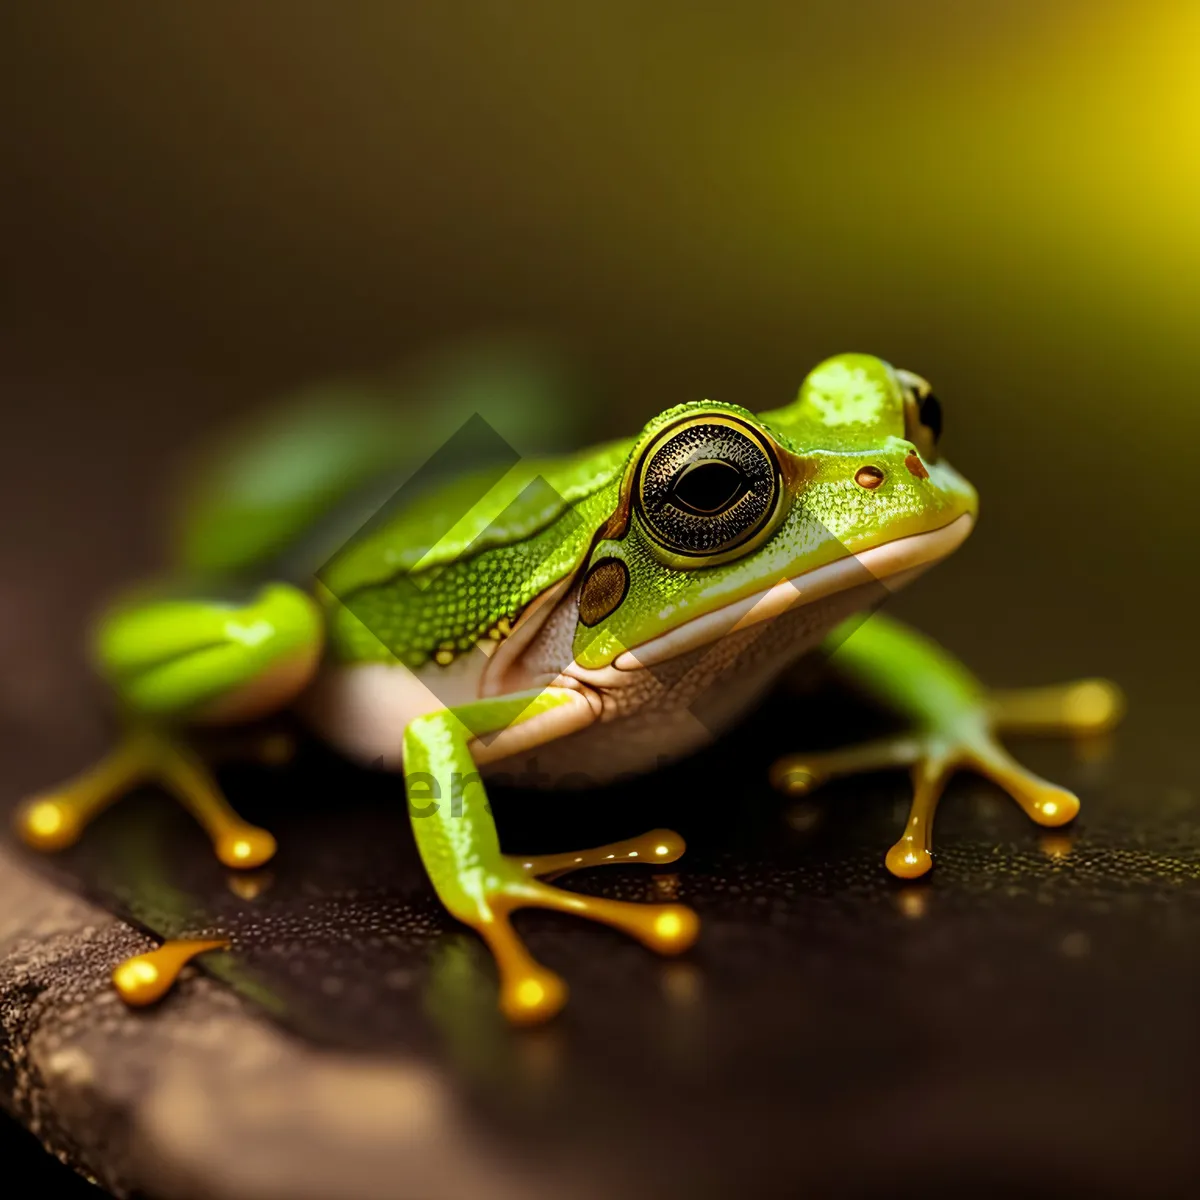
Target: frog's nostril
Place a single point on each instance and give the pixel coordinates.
(916, 466)
(869, 477)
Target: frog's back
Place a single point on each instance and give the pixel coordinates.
(432, 575)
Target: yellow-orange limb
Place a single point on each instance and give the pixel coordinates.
(1042, 801)
(933, 758)
(1090, 706)
(55, 820)
(955, 723)
(481, 885)
(529, 993)
(911, 857)
(237, 843)
(146, 978)
(800, 773)
(658, 846)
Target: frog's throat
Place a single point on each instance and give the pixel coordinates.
(892, 564)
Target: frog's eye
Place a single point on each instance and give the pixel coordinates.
(922, 414)
(707, 487)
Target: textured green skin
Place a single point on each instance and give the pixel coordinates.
(454, 830)
(831, 517)
(438, 575)
(404, 592)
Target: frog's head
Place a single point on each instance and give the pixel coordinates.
(725, 517)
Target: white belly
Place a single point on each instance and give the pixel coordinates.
(648, 717)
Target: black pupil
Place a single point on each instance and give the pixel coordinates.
(708, 487)
(931, 415)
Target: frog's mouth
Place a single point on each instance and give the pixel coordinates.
(889, 566)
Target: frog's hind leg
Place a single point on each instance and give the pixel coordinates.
(956, 724)
(480, 884)
(176, 665)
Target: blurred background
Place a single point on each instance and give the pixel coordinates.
(206, 205)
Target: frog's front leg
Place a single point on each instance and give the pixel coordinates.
(955, 723)
(176, 665)
(481, 885)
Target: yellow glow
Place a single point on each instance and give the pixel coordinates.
(1055, 847)
(1050, 808)
(44, 819)
(136, 971)
(798, 780)
(136, 981)
(250, 887)
(661, 850)
(908, 861)
(48, 824)
(243, 846)
(1091, 704)
(668, 925)
(530, 993)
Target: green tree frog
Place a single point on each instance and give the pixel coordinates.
(598, 613)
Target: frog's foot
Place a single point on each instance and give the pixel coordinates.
(188, 664)
(529, 992)
(54, 820)
(968, 741)
(480, 884)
